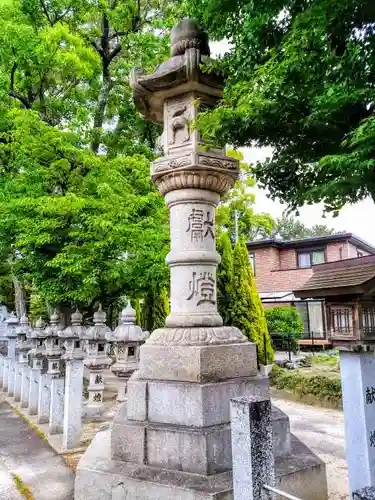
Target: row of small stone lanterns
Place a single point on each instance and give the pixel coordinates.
(44, 367)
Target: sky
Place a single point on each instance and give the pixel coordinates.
(354, 219)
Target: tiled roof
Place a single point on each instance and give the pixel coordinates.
(339, 278)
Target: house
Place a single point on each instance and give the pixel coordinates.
(280, 267)
(348, 289)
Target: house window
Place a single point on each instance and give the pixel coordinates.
(342, 320)
(252, 261)
(310, 258)
(368, 321)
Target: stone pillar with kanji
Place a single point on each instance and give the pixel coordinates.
(175, 428)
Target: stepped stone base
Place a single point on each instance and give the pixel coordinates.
(99, 477)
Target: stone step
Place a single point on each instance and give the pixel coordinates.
(281, 432)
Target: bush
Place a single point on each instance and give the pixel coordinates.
(320, 386)
(286, 322)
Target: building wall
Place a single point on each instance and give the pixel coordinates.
(276, 269)
(353, 251)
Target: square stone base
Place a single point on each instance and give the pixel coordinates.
(98, 477)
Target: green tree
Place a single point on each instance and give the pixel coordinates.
(80, 221)
(288, 227)
(236, 213)
(287, 322)
(224, 277)
(155, 309)
(301, 76)
(247, 312)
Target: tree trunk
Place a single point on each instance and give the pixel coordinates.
(100, 111)
(19, 298)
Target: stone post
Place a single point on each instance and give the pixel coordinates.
(44, 394)
(11, 333)
(23, 346)
(53, 353)
(127, 339)
(252, 448)
(72, 342)
(96, 361)
(358, 395)
(36, 355)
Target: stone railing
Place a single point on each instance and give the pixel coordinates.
(42, 368)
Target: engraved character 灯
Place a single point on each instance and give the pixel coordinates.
(202, 287)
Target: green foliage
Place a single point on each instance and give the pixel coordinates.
(137, 308)
(320, 386)
(224, 276)
(301, 76)
(239, 203)
(247, 312)
(284, 320)
(79, 219)
(155, 309)
(37, 308)
(288, 227)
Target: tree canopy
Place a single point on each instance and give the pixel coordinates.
(301, 81)
(288, 227)
(79, 218)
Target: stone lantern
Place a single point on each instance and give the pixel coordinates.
(96, 361)
(71, 338)
(127, 338)
(36, 355)
(52, 406)
(23, 346)
(11, 334)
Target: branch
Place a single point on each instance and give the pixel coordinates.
(12, 74)
(114, 52)
(97, 48)
(20, 98)
(117, 34)
(45, 10)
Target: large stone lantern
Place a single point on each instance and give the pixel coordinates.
(10, 362)
(96, 361)
(23, 346)
(127, 338)
(172, 439)
(52, 343)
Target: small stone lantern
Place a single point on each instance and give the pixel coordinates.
(11, 334)
(23, 346)
(52, 345)
(96, 361)
(71, 337)
(127, 338)
(36, 356)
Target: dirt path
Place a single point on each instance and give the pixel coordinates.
(323, 431)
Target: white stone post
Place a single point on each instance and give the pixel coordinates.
(44, 398)
(5, 373)
(252, 448)
(35, 374)
(358, 395)
(25, 389)
(73, 403)
(72, 341)
(57, 384)
(12, 323)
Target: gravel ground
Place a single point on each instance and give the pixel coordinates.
(323, 431)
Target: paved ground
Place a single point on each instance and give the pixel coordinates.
(32, 459)
(323, 431)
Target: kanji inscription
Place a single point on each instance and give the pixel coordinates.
(203, 287)
(199, 226)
